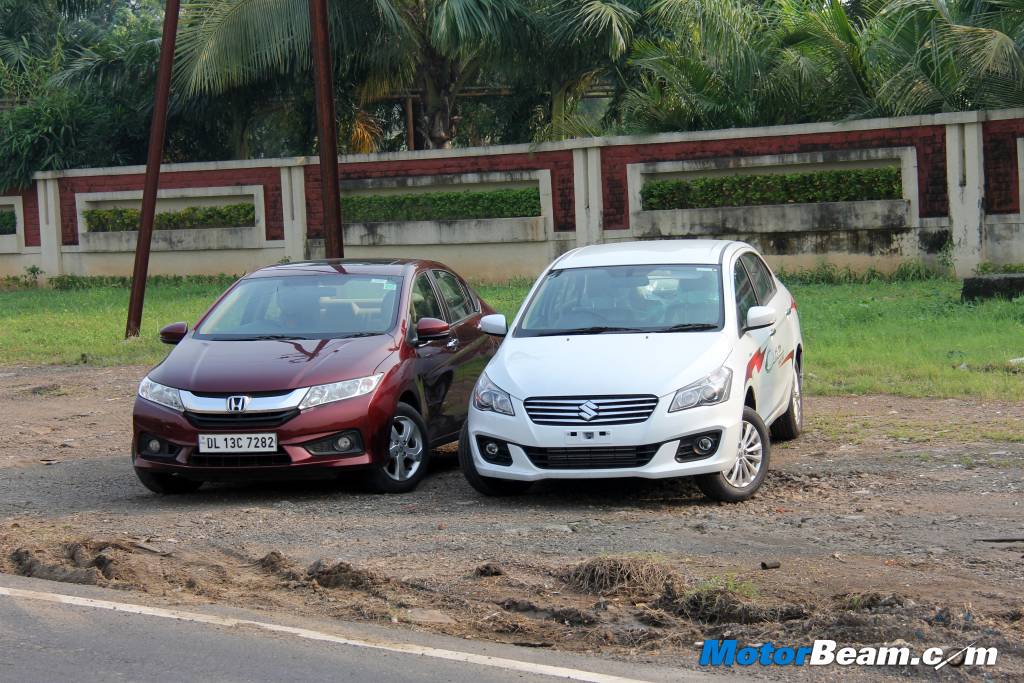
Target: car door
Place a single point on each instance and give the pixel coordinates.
(753, 344)
(435, 358)
(780, 340)
(473, 347)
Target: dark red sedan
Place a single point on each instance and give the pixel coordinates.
(314, 369)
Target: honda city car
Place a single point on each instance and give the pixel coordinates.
(646, 359)
(314, 369)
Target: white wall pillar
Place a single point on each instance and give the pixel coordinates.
(293, 204)
(50, 240)
(965, 182)
(586, 166)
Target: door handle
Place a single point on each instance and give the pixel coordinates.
(774, 330)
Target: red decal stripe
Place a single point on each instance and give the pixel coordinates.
(789, 357)
(755, 363)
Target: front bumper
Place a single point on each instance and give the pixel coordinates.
(662, 429)
(292, 460)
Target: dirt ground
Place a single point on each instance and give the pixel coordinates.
(890, 520)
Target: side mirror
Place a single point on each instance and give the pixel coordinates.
(173, 333)
(760, 316)
(432, 328)
(494, 324)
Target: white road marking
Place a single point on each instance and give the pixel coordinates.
(308, 634)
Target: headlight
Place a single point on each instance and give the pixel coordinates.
(339, 391)
(704, 392)
(158, 393)
(487, 396)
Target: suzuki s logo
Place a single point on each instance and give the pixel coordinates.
(237, 404)
(588, 411)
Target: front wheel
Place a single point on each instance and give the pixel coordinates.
(408, 453)
(489, 486)
(745, 476)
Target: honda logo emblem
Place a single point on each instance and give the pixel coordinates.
(237, 404)
(588, 411)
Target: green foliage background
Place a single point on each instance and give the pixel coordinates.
(123, 220)
(441, 206)
(788, 188)
(8, 222)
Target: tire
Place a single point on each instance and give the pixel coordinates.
(488, 486)
(167, 484)
(407, 454)
(718, 486)
(789, 425)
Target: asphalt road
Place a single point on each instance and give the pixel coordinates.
(44, 640)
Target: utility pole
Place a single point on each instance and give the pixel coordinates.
(154, 155)
(327, 127)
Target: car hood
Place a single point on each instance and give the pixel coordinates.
(607, 363)
(202, 365)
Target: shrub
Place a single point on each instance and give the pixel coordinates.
(789, 188)
(830, 274)
(989, 268)
(193, 217)
(8, 222)
(441, 206)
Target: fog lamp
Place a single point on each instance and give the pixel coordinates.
(705, 445)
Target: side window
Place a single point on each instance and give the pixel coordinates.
(764, 283)
(745, 297)
(459, 303)
(424, 301)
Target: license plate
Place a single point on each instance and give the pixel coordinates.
(585, 436)
(237, 443)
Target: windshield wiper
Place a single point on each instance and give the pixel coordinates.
(355, 335)
(596, 329)
(271, 337)
(688, 327)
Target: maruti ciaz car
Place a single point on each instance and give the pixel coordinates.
(314, 369)
(640, 359)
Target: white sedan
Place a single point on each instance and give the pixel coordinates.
(646, 359)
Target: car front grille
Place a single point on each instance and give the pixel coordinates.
(240, 420)
(579, 411)
(239, 459)
(596, 458)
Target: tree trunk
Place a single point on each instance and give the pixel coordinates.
(438, 80)
(559, 105)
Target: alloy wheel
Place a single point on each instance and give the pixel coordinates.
(405, 449)
(748, 459)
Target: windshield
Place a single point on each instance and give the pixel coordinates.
(305, 307)
(610, 299)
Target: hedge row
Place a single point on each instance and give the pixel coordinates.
(123, 220)
(8, 223)
(76, 282)
(788, 188)
(441, 206)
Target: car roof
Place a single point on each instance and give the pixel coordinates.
(647, 252)
(363, 266)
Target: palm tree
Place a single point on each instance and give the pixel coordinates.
(931, 56)
(429, 49)
(725, 63)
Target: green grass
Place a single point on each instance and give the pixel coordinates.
(910, 339)
(904, 338)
